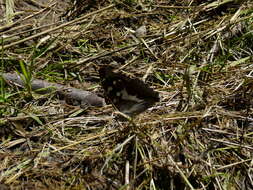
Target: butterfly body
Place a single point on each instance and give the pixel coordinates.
(130, 96)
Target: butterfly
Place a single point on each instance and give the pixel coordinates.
(129, 95)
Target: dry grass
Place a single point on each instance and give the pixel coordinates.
(197, 54)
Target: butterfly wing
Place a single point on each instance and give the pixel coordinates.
(129, 95)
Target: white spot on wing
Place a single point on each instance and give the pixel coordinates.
(126, 96)
(109, 89)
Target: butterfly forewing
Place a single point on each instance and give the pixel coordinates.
(129, 95)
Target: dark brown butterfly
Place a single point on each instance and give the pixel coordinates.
(130, 96)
